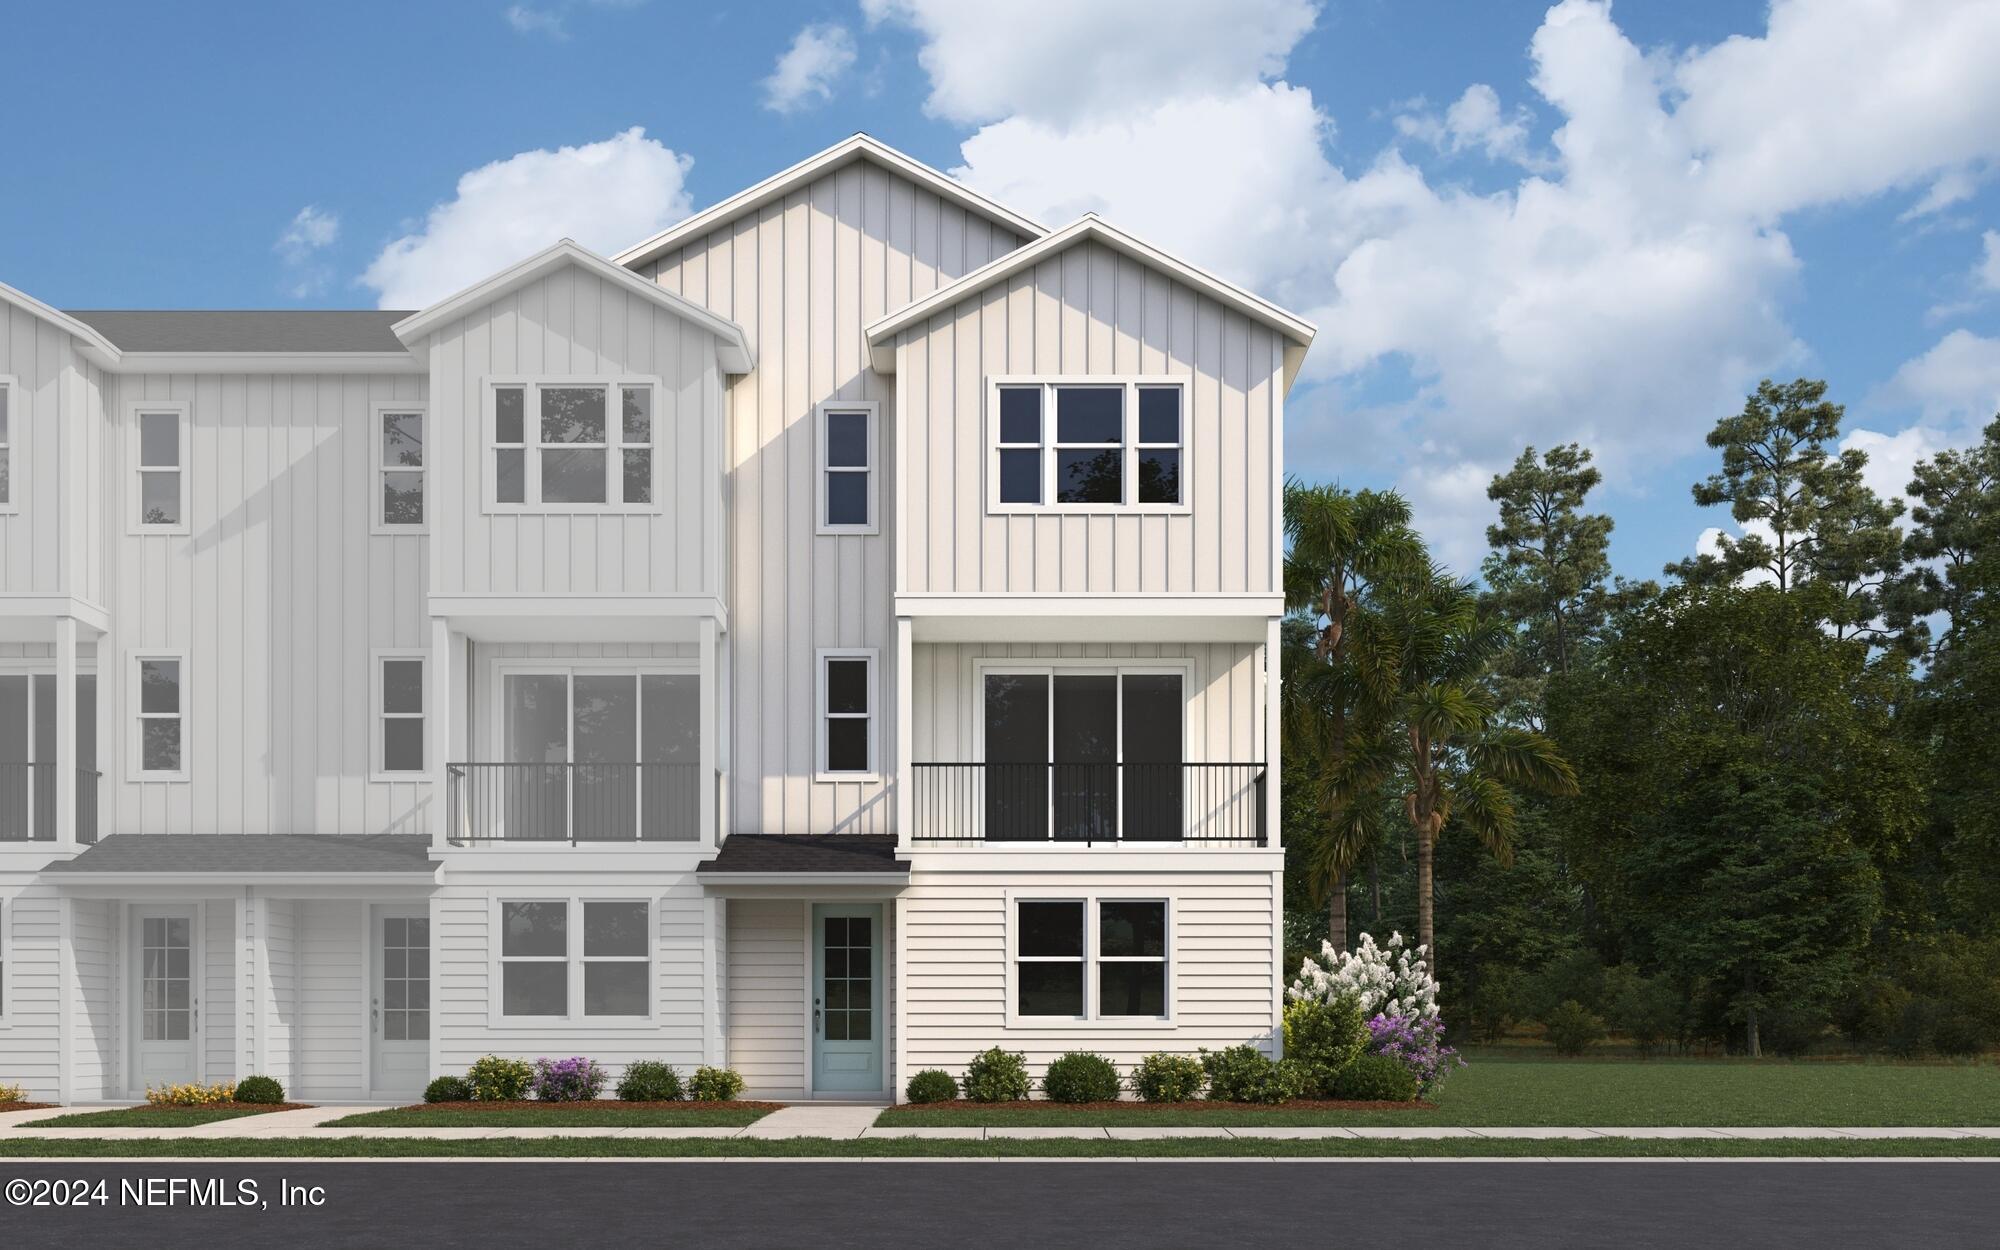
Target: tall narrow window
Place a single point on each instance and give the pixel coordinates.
(1090, 438)
(616, 959)
(1159, 444)
(510, 453)
(573, 445)
(161, 720)
(1019, 462)
(1132, 958)
(401, 505)
(6, 446)
(847, 721)
(638, 453)
(847, 454)
(159, 460)
(534, 958)
(400, 714)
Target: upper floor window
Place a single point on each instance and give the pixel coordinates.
(848, 451)
(399, 715)
(6, 445)
(847, 748)
(399, 504)
(160, 729)
(1086, 445)
(570, 444)
(160, 467)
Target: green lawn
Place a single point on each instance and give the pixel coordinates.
(144, 1117)
(1584, 1094)
(905, 1148)
(553, 1117)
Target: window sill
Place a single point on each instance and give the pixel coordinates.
(569, 1024)
(1152, 1024)
(829, 779)
(398, 531)
(1089, 509)
(579, 509)
(847, 531)
(417, 776)
(160, 531)
(168, 778)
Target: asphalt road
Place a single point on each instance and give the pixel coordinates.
(1101, 1205)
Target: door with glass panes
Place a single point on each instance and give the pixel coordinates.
(593, 755)
(1083, 756)
(166, 998)
(847, 1015)
(28, 755)
(399, 1004)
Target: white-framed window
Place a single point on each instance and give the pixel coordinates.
(159, 449)
(1086, 444)
(159, 722)
(849, 454)
(11, 422)
(570, 958)
(1090, 958)
(571, 444)
(398, 749)
(848, 748)
(400, 467)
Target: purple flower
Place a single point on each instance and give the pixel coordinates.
(568, 1080)
(1417, 1044)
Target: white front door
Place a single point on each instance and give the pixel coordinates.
(166, 1003)
(399, 1003)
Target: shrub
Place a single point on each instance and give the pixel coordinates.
(259, 1089)
(932, 1085)
(1081, 1077)
(1382, 980)
(996, 1075)
(190, 1095)
(568, 1080)
(1790, 1031)
(1647, 1009)
(13, 1093)
(1494, 1001)
(1578, 975)
(1246, 1074)
(1323, 1036)
(715, 1084)
(649, 1080)
(1375, 1078)
(448, 1089)
(1168, 1078)
(1418, 1045)
(1573, 1028)
(494, 1079)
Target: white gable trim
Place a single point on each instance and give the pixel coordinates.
(732, 344)
(777, 186)
(99, 349)
(1297, 330)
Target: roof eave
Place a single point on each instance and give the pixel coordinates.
(91, 342)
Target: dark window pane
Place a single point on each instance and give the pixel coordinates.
(1020, 477)
(1090, 414)
(1132, 989)
(1017, 757)
(534, 928)
(402, 499)
(534, 989)
(573, 414)
(1050, 929)
(847, 685)
(859, 936)
(847, 499)
(1090, 476)
(162, 745)
(510, 481)
(508, 425)
(1159, 476)
(638, 414)
(573, 476)
(402, 439)
(159, 439)
(639, 476)
(159, 685)
(860, 1026)
(1154, 780)
(1021, 414)
(836, 961)
(160, 498)
(402, 685)
(1159, 414)
(614, 929)
(1049, 989)
(836, 1026)
(402, 744)
(614, 989)
(847, 439)
(847, 745)
(1132, 929)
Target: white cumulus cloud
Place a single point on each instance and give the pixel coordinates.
(309, 234)
(1987, 272)
(1957, 380)
(806, 71)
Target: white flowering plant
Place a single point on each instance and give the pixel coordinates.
(1387, 980)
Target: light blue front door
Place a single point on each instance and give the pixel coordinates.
(847, 998)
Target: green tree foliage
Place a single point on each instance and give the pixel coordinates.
(1953, 527)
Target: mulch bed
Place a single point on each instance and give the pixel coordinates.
(1042, 1104)
(28, 1106)
(595, 1104)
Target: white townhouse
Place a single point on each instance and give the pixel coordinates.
(829, 638)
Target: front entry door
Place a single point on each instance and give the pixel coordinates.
(847, 1010)
(166, 1003)
(399, 1004)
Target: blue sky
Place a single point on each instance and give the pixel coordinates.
(1514, 223)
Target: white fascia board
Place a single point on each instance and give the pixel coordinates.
(267, 362)
(78, 880)
(1297, 330)
(732, 345)
(100, 350)
(778, 185)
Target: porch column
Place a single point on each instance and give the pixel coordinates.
(438, 714)
(711, 730)
(1273, 715)
(905, 776)
(65, 779)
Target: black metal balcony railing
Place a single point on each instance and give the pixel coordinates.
(574, 803)
(1089, 803)
(28, 803)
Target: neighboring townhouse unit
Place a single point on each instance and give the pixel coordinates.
(830, 638)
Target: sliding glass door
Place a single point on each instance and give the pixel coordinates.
(1083, 756)
(600, 755)
(28, 752)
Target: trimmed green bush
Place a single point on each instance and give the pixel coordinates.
(997, 1075)
(931, 1085)
(649, 1080)
(259, 1089)
(1080, 1076)
(1323, 1036)
(494, 1079)
(715, 1084)
(1168, 1078)
(448, 1089)
(1246, 1074)
(1374, 1078)
(1573, 1028)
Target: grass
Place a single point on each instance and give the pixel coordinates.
(554, 1117)
(149, 1117)
(1559, 1093)
(907, 1148)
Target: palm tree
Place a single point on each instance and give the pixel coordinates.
(1339, 669)
(1461, 762)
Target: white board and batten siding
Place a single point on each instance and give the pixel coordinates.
(50, 537)
(803, 276)
(769, 959)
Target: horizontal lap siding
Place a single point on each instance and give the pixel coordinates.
(280, 1023)
(331, 963)
(1089, 311)
(767, 986)
(219, 1009)
(803, 276)
(93, 940)
(29, 1041)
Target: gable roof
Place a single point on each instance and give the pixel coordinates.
(858, 147)
(732, 344)
(246, 330)
(1297, 330)
(95, 345)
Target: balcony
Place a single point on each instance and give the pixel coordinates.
(574, 803)
(1149, 804)
(28, 803)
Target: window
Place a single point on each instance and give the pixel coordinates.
(6, 445)
(572, 445)
(1083, 754)
(1089, 444)
(159, 459)
(847, 720)
(399, 715)
(1060, 943)
(545, 972)
(160, 728)
(400, 504)
(847, 456)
